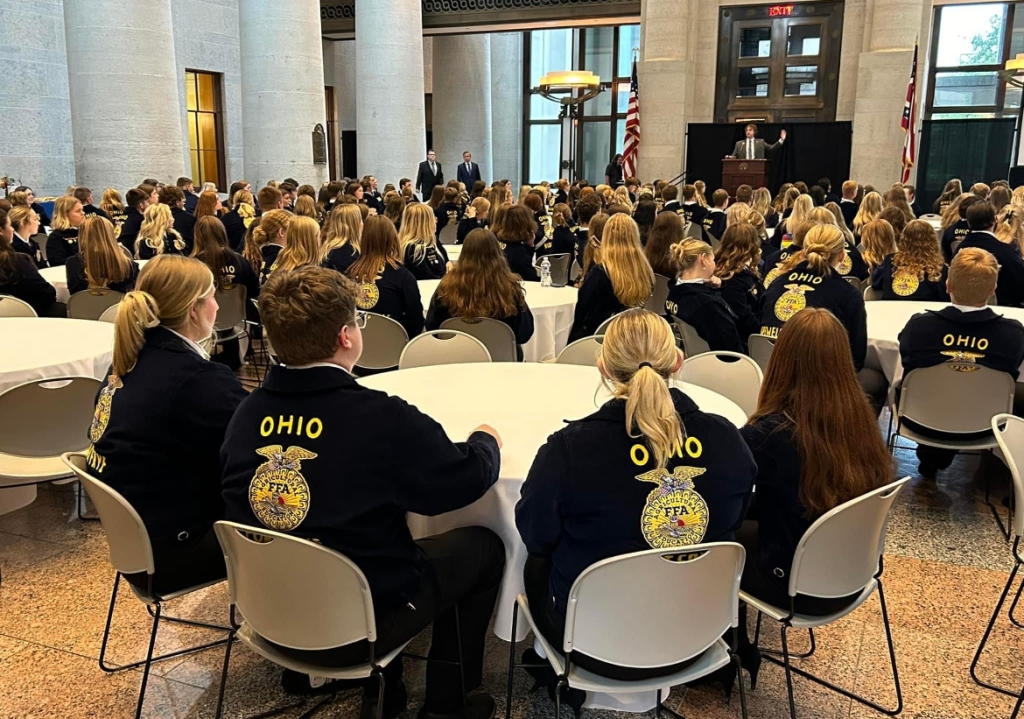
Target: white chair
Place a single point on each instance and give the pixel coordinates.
(131, 552)
(603, 327)
(760, 349)
(13, 307)
(839, 555)
(730, 374)
(856, 282)
(298, 594)
(582, 352)
(694, 230)
(110, 314)
(230, 323)
(1009, 433)
(498, 337)
(559, 268)
(614, 615)
(871, 294)
(383, 342)
(443, 347)
(693, 343)
(91, 304)
(656, 302)
(449, 235)
(575, 271)
(954, 399)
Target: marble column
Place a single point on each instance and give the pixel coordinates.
(282, 90)
(462, 102)
(390, 122)
(666, 77)
(124, 85)
(882, 74)
(507, 106)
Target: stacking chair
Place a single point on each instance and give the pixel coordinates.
(730, 374)
(603, 327)
(110, 314)
(91, 304)
(132, 553)
(856, 282)
(575, 271)
(656, 302)
(582, 352)
(449, 235)
(693, 229)
(443, 347)
(559, 268)
(839, 555)
(13, 307)
(760, 348)
(871, 294)
(614, 615)
(1009, 432)
(693, 344)
(498, 337)
(230, 323)
(383, 342)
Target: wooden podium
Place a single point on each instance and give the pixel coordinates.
(743, 172)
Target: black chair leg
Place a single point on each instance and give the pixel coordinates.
(79, 502)
(511, 660)
(988, 633)
(148, 663)
(789, 675)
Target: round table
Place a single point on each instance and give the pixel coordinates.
(58, 277)
(553, 309)
(43, 348)
(453, 252)
(886, 319)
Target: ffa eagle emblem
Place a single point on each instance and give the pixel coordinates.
(772, 274)
(101, 416)
(846, 265)
(792, 301)
(674, 514)
(368, 296)
(905, 284)
(278, 493)
(960, 361)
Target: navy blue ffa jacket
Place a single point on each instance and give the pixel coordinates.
(520, 323)
(117, 218)
(28, 247)
(1010, 285)
(235, 226)
(562, 242)
(130, 229)
(673, 206)
(238, 271)
(800, 288)
(693, 212)
(394, 294)
(714, 222)
(467, 225)
(595, 303)
(520, 260)
(954, 233)
(849, 210)
(91, 209)
(341, 258)
(853, 264)
(593, 491)
(156, 434)
(772, 262)
(898, 284)
(185, 225)
(314, 454)
(447, 213)
(582, 237)
(432, 264)
(60, 245)
(703, 308)
(77, 281)
(173, 245)
(191, 200)
(25, 283)
(951, 335)
(742, 292)
(270, 251)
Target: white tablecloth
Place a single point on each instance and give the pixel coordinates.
(453, 252)
(886, 319)
(58, 277)
(552, 308)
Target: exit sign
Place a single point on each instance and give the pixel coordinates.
(780, 10)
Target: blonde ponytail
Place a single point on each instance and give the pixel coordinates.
(638, 356)
(137, 312)
(685, 253)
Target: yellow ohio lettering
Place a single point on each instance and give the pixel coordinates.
(291, 425)
(692, 447)
(978, 343)
(804, 277)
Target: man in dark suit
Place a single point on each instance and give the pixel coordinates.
(191, 198)
(753, 147)
(429, 176)
(469, 171)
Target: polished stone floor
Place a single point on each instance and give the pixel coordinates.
(945, 566)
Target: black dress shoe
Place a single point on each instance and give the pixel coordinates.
(477, 706)
(395, 700)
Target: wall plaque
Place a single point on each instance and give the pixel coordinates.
(319, 145)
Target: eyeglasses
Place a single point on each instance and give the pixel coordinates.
(361, 318)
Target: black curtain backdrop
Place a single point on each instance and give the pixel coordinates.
(976, 150)
(811, 150)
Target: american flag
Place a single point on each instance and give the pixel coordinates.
(909, 121)
(632, 142)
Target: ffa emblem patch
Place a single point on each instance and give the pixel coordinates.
(278, 493)
(179, 244)
(772, 274)
(791, 301)
(960, 361)
(846, 265)
(368, 296)
(101, 416)
(905, 284)
(674, 514)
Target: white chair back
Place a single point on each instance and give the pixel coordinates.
(127, 538)
(871, 294)
(559, 268)
(575, 271)
(47, 417)
(730, 374)
(760, 349)
(91, 304)
(694, 230)
(383, 342)
(498, 337)
(443, 347)
(582, 352)
(617, 607)
(839, 554)
(110, 314)
(656, 302)
(231, 302)
(265, 569)
(693, 344)
(13, 307)
(603, 327)
(1009, 432)
(449, 234)
(955, 398)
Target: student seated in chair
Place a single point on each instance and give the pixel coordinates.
(981, 217)
(350, 484)
(101, 263)
(979, 335)
(694, 297)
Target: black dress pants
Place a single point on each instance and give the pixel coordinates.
(184, 564)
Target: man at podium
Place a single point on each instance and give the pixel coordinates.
(753, 147)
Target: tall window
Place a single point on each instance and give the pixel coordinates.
(970, 45)
(202, 97)
(608, 53)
